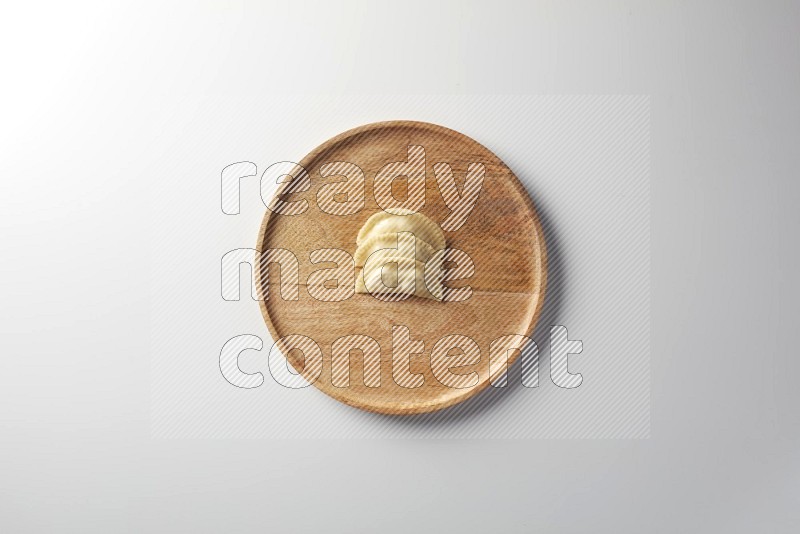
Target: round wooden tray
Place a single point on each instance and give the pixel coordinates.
(502, 235)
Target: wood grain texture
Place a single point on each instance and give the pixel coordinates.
(502, 235)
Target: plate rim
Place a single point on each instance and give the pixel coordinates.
(422, 406)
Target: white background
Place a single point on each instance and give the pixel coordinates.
(95, 100)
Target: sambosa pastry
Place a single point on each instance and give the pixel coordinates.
(423, 250)
(387, 274)
(416, 223)
(391, 247)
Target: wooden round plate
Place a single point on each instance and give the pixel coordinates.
(502, 235)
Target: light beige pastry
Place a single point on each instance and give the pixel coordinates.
(383, 241)
(416, 223)
(390, 246)
(383, 281)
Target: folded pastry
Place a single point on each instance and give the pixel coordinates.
(393, 251)
(386, 223)
(389, 241)
(397, 279)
